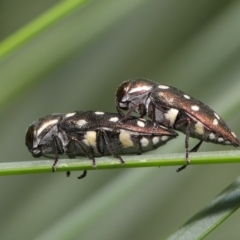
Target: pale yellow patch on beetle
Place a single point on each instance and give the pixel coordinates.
(212, 136)
(125, 139)
(140, 89)
(165, 138)
(155, 140)
(163, 86)
(140, 124)
(90, 138)
(215, 121)
(81, 122)
(113, 119)
(46, 124)
(70, 114)
(171, 115)
(216, 116)
(144, 142)
(195, 108)
(199, 128)
(234, 134)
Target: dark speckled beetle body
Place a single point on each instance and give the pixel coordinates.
(174, 109)
(94, 134)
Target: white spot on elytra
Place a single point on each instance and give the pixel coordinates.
(163, 86)
(81, 122)
(90, 138)
(215, 121)
(70, 114)
(234, 134)
(155, 140)
(142, 119)
(140, 124)
(220, 139)
(199, 128)
(171, 115)
(144, 142)
(212, 136)
(195, 108)
(99, 113)
(227, 142)
(186, 96)
(125, 139)
(46, 124)
(216, 116)
(114, 119)
(165, 138)
(140, 89)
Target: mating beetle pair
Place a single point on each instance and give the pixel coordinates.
(96, 134)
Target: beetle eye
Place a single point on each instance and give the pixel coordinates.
(29, 137)
(122, 91)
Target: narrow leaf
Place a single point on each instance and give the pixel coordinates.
(38, 25)
(211, 216)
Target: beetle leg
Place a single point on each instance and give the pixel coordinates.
(195, 149)
(56, 147)
(86, 152)
(83, 175)
(100, 142)
(109, 146)
(140, 146)
(133, 109)
(186, 144)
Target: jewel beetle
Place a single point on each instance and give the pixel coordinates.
(93, 134)
(176, 110)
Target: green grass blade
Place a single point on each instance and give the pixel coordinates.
(211, 216)
(112, 163)
(38, 25)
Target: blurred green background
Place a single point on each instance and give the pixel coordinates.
(77, 64)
